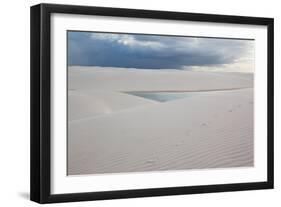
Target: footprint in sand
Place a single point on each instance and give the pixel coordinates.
(203, 124)
(230, 110)
(150, 162)
(177, 144)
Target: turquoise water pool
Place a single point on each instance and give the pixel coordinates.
(163, 96)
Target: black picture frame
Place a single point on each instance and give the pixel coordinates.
(40, 180)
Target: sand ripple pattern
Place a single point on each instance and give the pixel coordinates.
(202, 132)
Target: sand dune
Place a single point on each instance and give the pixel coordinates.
(210, 131)
(88, 103)
(111, 79)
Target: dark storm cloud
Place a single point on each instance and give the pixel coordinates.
(151, 51)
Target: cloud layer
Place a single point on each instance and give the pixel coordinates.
(159, 52)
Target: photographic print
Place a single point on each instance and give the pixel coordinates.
(148, 102)
(130, 103)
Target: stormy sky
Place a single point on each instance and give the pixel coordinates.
(160, 52)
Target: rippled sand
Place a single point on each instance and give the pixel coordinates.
(111, 131)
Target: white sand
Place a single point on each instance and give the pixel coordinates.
(153, 80)
(111, 132)
(88, 103)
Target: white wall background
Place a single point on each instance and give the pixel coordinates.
(14, 109)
